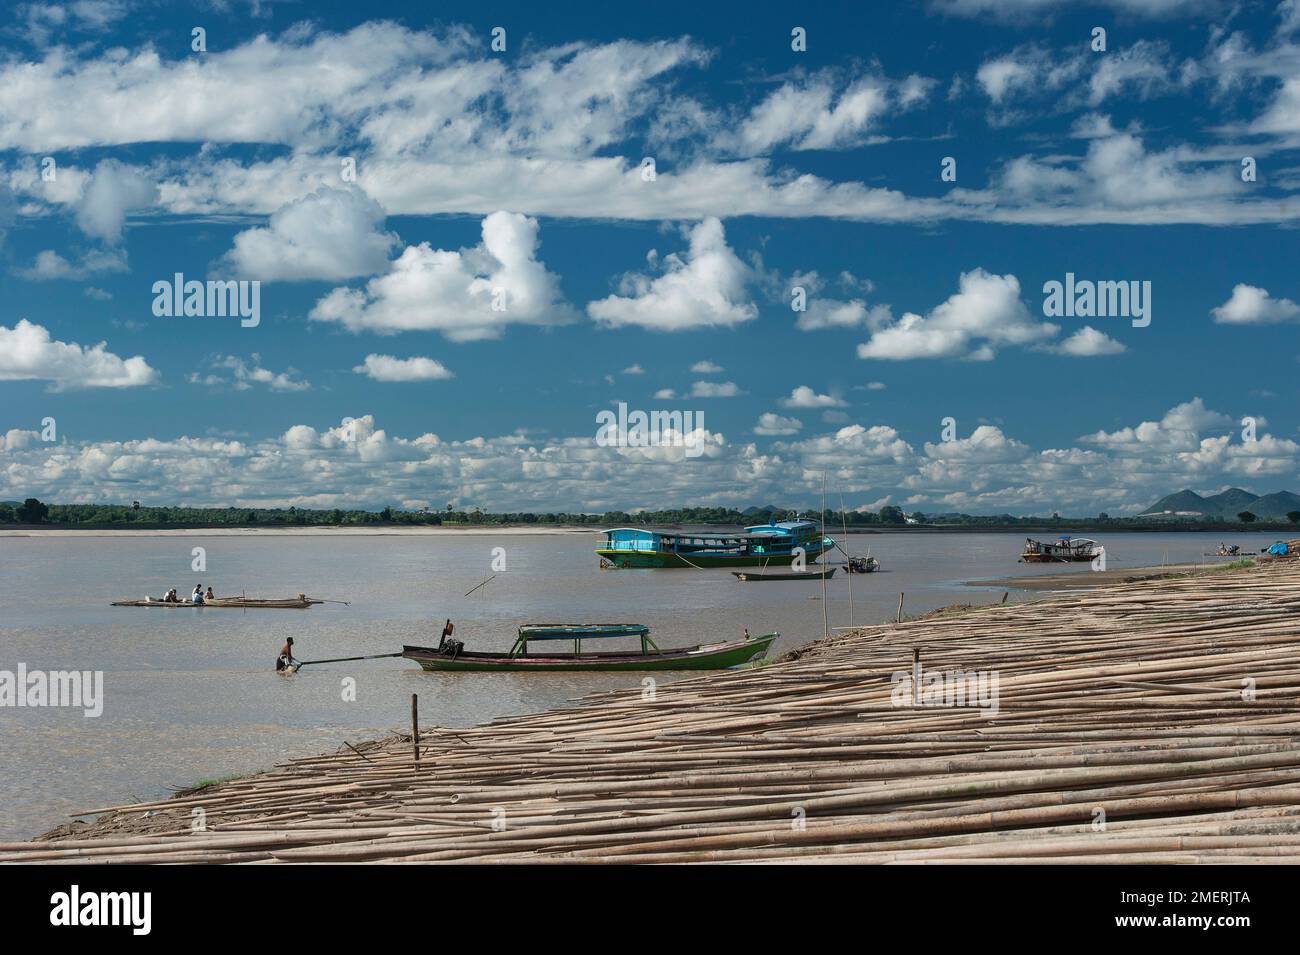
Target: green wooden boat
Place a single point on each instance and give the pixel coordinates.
(709, 656)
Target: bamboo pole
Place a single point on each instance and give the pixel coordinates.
(848, 562)
(826, 625)
(415, 729)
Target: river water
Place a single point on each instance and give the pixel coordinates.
(191, 695)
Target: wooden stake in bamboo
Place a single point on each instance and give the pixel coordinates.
(415, 728)
(916, 676)
(826, 623)
(899, 618)
(848, 558)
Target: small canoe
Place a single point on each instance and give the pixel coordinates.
(710, 656)
(301, 602)
(809, 575)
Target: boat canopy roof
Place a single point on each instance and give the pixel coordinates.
(584, 631)
(780, 528)
(756, 532)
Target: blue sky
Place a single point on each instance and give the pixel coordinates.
(519, 171)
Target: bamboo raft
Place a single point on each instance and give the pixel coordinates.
(1122, 737)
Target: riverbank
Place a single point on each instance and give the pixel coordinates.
(1117, 730)
(1084, 578)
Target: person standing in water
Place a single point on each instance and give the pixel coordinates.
(285, 659)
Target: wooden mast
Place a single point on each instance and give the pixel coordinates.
(848, 558)
(826, 624)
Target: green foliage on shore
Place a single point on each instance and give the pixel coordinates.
(34, 512)
(136, 515)
(1237, 564)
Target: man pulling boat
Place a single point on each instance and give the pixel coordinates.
(285, 660)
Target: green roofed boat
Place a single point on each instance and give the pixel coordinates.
(711, 656)
(778, 545)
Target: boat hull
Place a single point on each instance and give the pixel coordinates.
(758, 576)
(622, 558)
(232, 602)
(717, 656)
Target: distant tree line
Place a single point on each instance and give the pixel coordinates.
(33, 511)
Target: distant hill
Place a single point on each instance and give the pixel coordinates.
(1226, 504)
(1232, 501)
(1277, 504)
(1183, 502)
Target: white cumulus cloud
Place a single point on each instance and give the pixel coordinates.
(985, 312)
(805, 397)
(388, 368)
(1250, 305)
(1087, 342)
(821, 112)
(243, 374)
(703, 288)
(715, 389)
(775, 424)
(468, 295)
(29, 353)
(329, 234)
(113, 190)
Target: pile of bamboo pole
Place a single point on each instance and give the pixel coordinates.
(1146, 722)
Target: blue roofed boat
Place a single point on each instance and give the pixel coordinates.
(778, 544)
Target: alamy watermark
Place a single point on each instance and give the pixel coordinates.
(75, 907)
(1084, 298)
(211, 299)
(946, 688)
(48, 688)
(652, 429)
